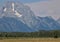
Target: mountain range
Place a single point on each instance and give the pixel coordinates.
(17, 17)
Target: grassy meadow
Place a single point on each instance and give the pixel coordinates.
(31, 40)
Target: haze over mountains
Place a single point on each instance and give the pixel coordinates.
(17, 17)
(58, 20)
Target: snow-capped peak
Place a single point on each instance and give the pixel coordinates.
(12, 10)
(5, 9)
(16, 13)
(19, 11)
(12, 6)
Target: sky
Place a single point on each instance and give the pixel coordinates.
(23, 1)
(41, 7)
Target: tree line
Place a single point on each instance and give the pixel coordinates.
(42, 33)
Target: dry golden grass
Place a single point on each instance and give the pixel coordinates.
(31, 40)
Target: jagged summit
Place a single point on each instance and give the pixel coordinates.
(18, 10)
(13, 11)
(10, 8)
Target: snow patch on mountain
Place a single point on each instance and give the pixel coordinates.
(5, 9)
(13, 6)
(17, 14)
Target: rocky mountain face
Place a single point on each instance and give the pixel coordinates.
(49, 23)
(8, 24)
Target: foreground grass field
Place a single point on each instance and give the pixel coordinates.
(31, 40)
